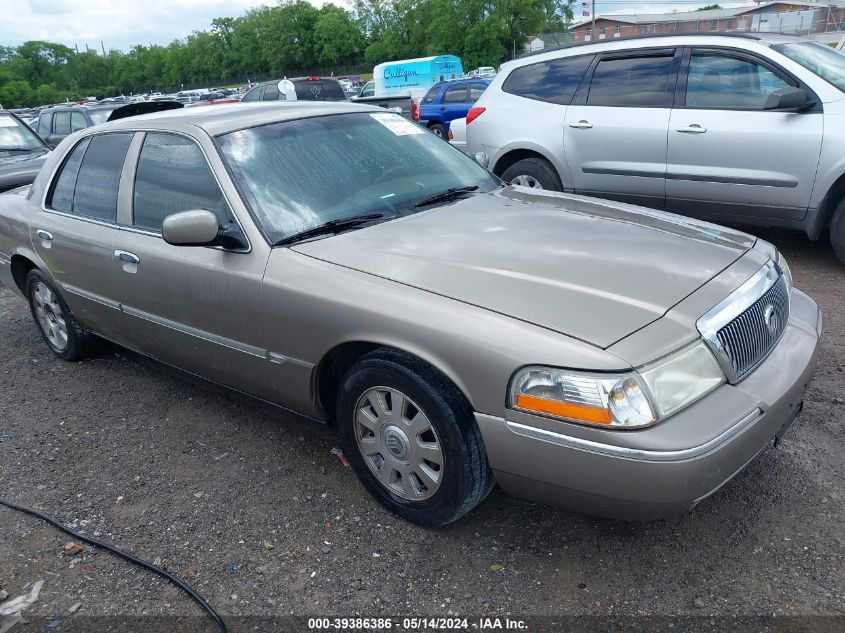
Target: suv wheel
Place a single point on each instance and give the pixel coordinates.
(411, 438)
(535, 173)
(438, 130)
(837, 231)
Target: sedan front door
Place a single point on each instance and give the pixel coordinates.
(194, 307)
(728, 159)
(614, 133)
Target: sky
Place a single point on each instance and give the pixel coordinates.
(123, 23)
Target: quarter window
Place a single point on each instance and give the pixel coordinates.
(173, 176)
(554, 81)
(77, 122)
(635, 82)
(722, 82)
(44, 124)
(475, 92)
(88, 182)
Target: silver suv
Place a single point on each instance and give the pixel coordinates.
(736, 128)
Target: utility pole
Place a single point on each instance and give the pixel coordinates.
(103, 46)
(594, 37)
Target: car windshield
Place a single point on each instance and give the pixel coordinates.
(303, 173)
(15, 136)
(822, 60)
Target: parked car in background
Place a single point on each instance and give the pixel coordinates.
(737, 128)
(340, 262)
(299, 89)
(368, 89)
(54, 124)
(485, 71)
(22, 152)
(449, 100)
(457, 134)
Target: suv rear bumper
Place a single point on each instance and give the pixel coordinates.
(649, 478)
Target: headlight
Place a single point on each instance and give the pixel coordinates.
(624, 401)
(784, 268)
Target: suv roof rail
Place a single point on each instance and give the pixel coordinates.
(747, 36)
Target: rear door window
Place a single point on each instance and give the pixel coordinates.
(332, 91)
(475, 91)
(554, 81)
(172, 176)
(254, 94)
(61, 123)
(271, 92)
(634, 82)
(456, 94)
(95, 195)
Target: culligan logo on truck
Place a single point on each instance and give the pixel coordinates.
(398, 72)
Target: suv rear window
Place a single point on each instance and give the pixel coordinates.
(319, 90)
(554, 81)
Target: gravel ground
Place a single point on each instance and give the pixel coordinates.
(250, 506)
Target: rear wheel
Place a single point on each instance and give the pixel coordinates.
(438, 130)
(412, 439)
(63, 335)
(535, 173)
(837, 231)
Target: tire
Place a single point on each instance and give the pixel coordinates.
(837, 231)
(65, 337)
(394, 466)
(438, 130)
(536, 173)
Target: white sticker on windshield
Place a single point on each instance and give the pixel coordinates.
(397, 125)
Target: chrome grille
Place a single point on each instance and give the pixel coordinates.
(743, 329)
(749, 337)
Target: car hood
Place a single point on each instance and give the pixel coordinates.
(591, 269)
(20, 169)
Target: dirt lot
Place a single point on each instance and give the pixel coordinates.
(252, 508)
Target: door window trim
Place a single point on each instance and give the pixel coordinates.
(743, 55)
(134, 155)
(675, 52)
(54, 178)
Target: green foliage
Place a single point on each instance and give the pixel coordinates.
(709, 7)
(292, 37)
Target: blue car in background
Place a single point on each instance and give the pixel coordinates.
(447, 101)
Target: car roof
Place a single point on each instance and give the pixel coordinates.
(767, 39)
(228, 117)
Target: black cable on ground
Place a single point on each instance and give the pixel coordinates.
(196, 597)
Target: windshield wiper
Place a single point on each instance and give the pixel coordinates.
(19, 149)
(332, 226)
(450, 194)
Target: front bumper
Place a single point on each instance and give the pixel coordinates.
(670, 467)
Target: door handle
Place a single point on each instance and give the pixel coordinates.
(127, 258)
(695, 128)
(45, 235)
(581, 125)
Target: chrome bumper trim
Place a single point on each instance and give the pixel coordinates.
(624, 452)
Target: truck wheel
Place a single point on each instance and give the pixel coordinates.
(63, 335)
(535, 173)
(438, 130)
(837, 231)
(411, 438)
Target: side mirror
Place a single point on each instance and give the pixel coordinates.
(200, 228)
(788, 99)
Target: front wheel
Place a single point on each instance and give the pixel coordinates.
(63, 335)
(412, 439)
(535, 173)
(837, 231)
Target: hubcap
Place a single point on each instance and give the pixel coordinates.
(526, 181)
(398, 443)
(50, 317)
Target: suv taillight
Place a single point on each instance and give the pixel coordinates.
(474, 113)
(415, 111)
